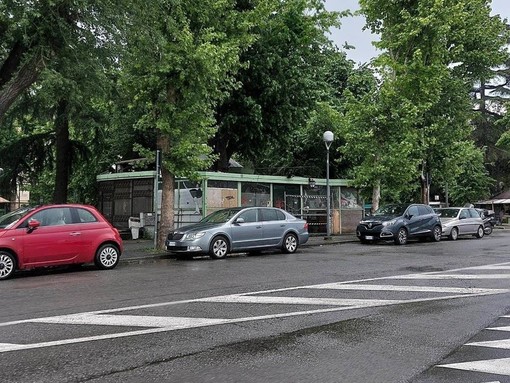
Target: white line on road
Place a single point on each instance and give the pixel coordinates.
(169, 323)
(451, 276)
(424, 289)
(501, 344)
(301, 301)
(494, 366)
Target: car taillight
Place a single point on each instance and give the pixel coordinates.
(305, 226)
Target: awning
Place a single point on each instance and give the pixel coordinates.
(494, 202)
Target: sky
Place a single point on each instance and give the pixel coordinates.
(352, 33)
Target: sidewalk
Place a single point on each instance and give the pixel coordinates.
(139, 249)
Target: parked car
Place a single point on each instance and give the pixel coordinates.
(13, 216)
(399, 223)
(54, 235)
(238, 230)
(457, 221)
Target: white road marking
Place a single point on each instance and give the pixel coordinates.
(503, 328)
(452, 276)
(425, 289)
(169, 323)
(493, 366)
(501, 344)
(158, 324)
(489, 267)
(301, 301)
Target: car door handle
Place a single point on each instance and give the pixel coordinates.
(259, 227)
(74, 233)
(282, 225)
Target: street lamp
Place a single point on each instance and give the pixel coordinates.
(328, 139)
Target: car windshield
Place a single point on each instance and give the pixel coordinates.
(393, 210)
(13, 216)
(220, 216)
(448, 213)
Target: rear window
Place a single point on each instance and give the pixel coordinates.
(268, 215)
(424, 210)
(86, 216)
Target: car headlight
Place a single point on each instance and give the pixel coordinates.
(193, 236)
(389, 223)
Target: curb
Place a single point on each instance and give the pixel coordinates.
(151, 254)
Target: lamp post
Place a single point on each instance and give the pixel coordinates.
(328, 139)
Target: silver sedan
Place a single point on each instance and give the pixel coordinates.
(239, 230)
(458, 221)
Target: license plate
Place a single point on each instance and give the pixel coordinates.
(369, 237)
(171, 244)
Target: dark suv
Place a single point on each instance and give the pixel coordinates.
(400, 222)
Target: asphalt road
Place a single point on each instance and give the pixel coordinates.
(424, 312)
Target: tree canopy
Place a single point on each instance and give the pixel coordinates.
(417, 127)
(86, 84)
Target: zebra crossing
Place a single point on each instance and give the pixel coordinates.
(283, 303)
(485, 357)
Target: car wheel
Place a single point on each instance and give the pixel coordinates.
(454, 234)
(7, 264)
(480, 232)
(488, 230)
(290, 243)
(401, 238)
(218, 248)
(107, 257)
(436, 233)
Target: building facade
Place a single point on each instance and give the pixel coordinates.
(131, 194)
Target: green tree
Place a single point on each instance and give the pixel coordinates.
(60, 51)
(180, 62)
(282, 78)
(433, 51)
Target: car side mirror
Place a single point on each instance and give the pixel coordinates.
(33, 224)
(239, 220)
(409, 216)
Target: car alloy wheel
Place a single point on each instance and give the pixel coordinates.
(401, 237)
(107, 257)
(7, 265)
(480, 232)
(454, 234)
(436, 233)
(219, 248)
(290, 243)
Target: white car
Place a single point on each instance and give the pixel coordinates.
(457, 221)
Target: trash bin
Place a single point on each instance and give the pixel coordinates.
(135, 225)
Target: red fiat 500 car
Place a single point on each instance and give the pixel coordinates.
(54, 235)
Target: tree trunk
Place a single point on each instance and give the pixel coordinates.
(219, 144)
(14, 86)
(63, 153)
(424, 183)
(376, 195)
(424, 189)
(167, 197)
